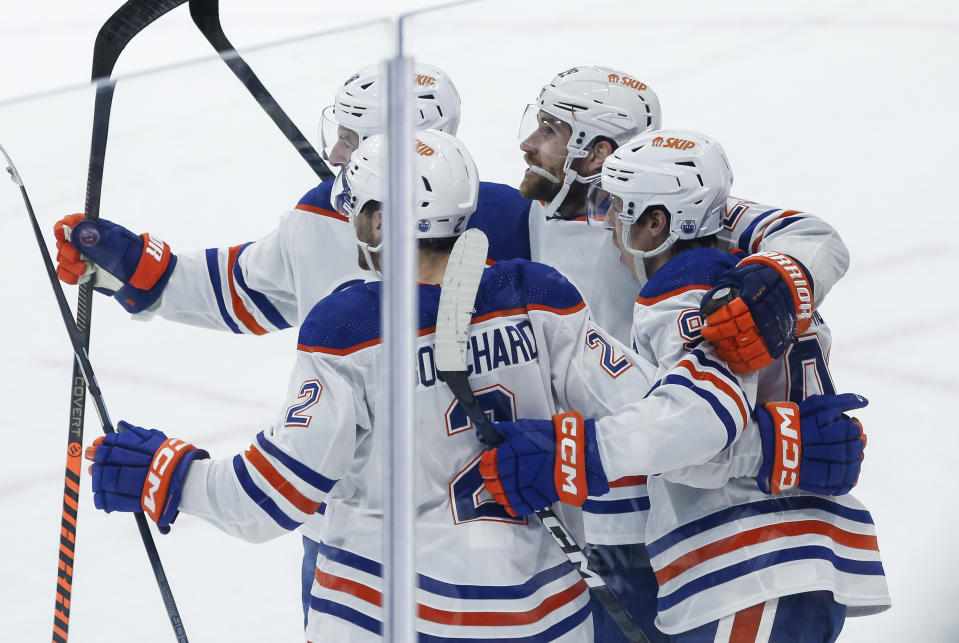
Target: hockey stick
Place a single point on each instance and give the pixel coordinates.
(206, 16)
(114, 35)
(62, 617)
(455, 313)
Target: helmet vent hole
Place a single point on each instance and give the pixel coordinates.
(367, 85)
(426, 183)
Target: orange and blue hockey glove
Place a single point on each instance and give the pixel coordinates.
(133, 269)
(541, 462)
(813, 445)
(139, 469)
(755, 309)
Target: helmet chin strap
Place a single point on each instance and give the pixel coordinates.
(368, 253)
(549, 176)
(570, 176)
(640, 256)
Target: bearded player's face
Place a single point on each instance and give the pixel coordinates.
(544, 151)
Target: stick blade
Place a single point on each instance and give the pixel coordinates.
(11, 168)
(457, 299)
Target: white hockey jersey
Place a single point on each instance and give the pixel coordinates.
(272, 283)
(586, 255)
(533, 352)
(719, 545)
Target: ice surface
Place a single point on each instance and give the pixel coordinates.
(820, 107)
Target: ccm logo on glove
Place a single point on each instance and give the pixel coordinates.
(158, 482)
(785, 416)
(570, 468)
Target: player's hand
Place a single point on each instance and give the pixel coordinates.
(134, 269)
(541, 462)
(813, 445)
(756, 308)
(139, 469)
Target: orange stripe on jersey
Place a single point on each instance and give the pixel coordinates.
(649, 301)
(718, 383)
(746, 624)
(323, 211)
(787, 213)
(559, 311)
(278, 482)
(628, 481)
(241, 312)
(351, 587)
(504, 619)
(498, 313)
(764, 534)
(338, 351)
(445, 617)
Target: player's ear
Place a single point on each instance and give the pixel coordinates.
(659, 224)
(597, 154)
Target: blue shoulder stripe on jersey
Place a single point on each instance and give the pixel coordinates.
(370, 624)
(757, 508)
(622, 506)
(450, 590)
(726, 574)
(319, 196)
(503, 215)
(348, 614)
(302, 471)
(698, 266)
(269, 310)
(259, 497)
(351, 318)
(718, 408)
(213, 267)
(748, 232)
(782, 223)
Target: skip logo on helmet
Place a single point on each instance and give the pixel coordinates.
(675, 143)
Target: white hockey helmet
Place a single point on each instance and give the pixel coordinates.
(684, 172)
(359, 107)
(595, 102)
(447, 184)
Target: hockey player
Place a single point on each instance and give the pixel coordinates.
(733, 564)
(272, 283)
(578, 119)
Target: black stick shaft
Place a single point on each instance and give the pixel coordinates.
(82, 361)
(206, 16)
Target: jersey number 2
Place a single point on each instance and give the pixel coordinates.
(468, 496)
(308, 396)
